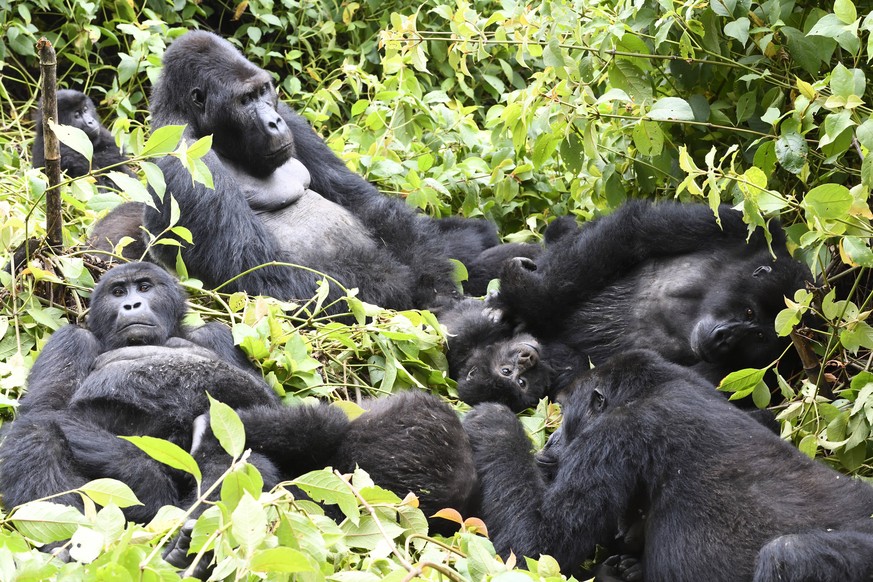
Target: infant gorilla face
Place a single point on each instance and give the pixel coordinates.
(511, 371)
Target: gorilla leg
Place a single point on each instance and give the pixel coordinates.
(820, 556)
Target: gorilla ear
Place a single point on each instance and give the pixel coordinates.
(598, 400)
(198, 97)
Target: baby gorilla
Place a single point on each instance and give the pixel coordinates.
(725, 498)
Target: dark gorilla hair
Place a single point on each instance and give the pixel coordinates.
(77, 109)
(669, 277)
(724, 497)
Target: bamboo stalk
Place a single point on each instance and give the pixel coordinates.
(53, 216)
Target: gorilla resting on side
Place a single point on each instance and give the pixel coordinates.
(660, 276)
(725, 498)
(280, 193)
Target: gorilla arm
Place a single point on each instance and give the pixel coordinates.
(577, 265)
(63, 364)
(565, 518)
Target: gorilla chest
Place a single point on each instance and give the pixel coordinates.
(314, 225)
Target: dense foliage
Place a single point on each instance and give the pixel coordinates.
(505, 109)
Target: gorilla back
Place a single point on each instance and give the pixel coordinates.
(280, 193)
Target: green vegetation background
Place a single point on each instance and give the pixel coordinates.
(511, 110)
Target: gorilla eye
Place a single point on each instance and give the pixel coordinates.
(760, 335)
(505, 371)
(750, 314)
(521, 382)
(118, 291)
(143, 287)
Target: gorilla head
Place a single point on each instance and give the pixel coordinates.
(511, 371)
(139, 304)
(76, 109)
(227, 96)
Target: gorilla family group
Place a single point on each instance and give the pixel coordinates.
(664, 300)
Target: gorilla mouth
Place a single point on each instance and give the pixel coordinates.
(131, 324)
(281, 151)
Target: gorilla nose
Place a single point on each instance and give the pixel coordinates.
(277, 124)
(524, 263)
(527, 357)
(132, 305)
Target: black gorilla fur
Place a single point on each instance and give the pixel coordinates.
(280, 193)
(725, 498)
(123, 220)
(665, 277)
(136, 370)
(76, 109)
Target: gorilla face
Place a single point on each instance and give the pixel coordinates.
(509, 371)
(135, 304)
(77, 109)
(246, 126)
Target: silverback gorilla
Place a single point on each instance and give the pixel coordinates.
(280, 193)
(725, 498)
(661, 276)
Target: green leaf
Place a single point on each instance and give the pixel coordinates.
(723, 7)
(281, 560)
(835, 124)
(807, 52)
(227, 427)
(860, 335)
(791, 151)
(249, 523)
(648, 138)
(47, 522)
(742, 382)
(163, 141)
(625, 75)
(133, 187)
(845, 11)
(199, 148)
(808, 445)
(366, 534)
(738, 29)
(74, 138)
(325, 487)
(669, 108)
(106, 491)
(829, 25)
(168, 453)
(828, 201)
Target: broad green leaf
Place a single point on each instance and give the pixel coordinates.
(199, 148)
(86, 545)
(828, 201)
(168, 453)
(74, 138)
(738, 29)
(742, 382)
(249, 523)
(155, 178)
(227, 427)
(163, 141)
(835, 124)
(829, 25)
(845, 11)
(47, 522)
(669, 108)
(324, 486)
(791, 151)
(366, 534)
(648, 138)
(859, 335)
(808, 445)
(281, 560)
(131, 186)
(625, 75)
(723, 7)
(106, 491)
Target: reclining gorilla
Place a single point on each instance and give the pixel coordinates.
(725, 498)
(280, 193)
(137, 370)
(666, 277)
